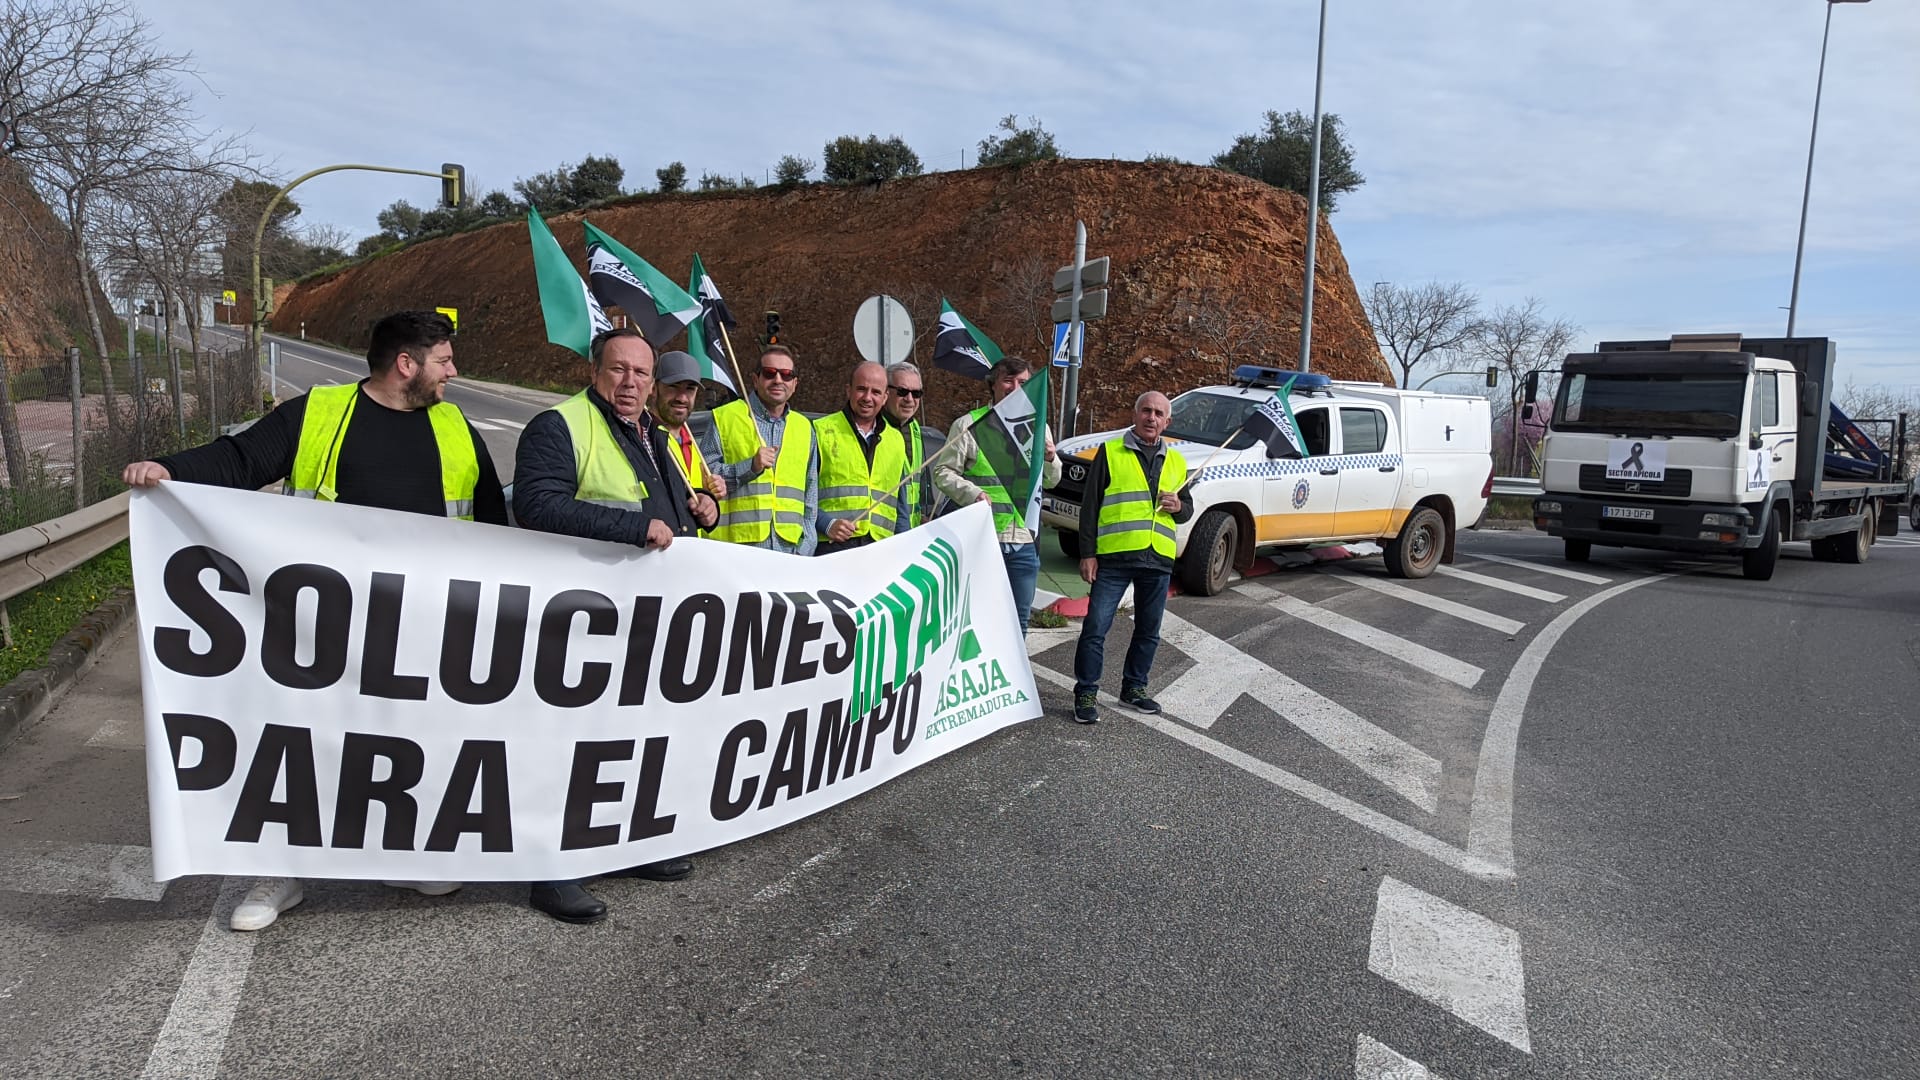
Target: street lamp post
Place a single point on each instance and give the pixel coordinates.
(1806, 190)
(1313, 200)
(453, 183)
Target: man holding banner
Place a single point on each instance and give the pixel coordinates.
(905, 392)
(765, 451)
(388, 441)
(1003, 455)
(862, 464)
(676, 387)
(596, 466)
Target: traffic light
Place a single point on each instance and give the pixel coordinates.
(1493, 375)
(773, 328)
(453, 186)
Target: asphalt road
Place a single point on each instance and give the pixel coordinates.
(497, 411)
(1649, 821)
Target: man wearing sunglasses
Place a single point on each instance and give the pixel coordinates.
(765, 452)
(902, 412)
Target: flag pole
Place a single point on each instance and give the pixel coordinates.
(925, 467)
(740, 383)
(1194, 476)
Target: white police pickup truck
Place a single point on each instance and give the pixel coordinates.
(1404, 468)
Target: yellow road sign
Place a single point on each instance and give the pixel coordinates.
(229, 297)
(452, 314)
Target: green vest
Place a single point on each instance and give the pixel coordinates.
(1130, 514)
(916, 460)
(775, 501)
(848, 487)
(316, 460)
(602, 474)
(980, 473)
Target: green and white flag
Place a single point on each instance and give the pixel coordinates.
(961, 347)
(705, 339)
(660, 308)
(1012, 436)
(573, 315)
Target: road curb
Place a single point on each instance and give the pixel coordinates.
(33, 693)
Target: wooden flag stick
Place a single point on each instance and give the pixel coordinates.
(740, 383)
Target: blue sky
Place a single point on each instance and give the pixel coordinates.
(1635, 164)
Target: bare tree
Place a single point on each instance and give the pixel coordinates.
(96, 107)
(1421, 322)
(1022, 298)
(1228, 329)
(1518, 339)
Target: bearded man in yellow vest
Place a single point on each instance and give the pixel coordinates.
(597, 465)
(676, 389)
(1128, 516)
(966, 476)
(764, 450)
(388, 441)
(862, 464)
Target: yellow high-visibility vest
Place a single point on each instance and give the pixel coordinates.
(848, 487)
(1130, 514)
(774, 502)
(316, 459)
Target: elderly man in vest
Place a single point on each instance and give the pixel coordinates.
(598, 466)
(966, 476)
(905, 392)
(388, 441)
(764, 450)
(676, 389)
(862, 464)
(1128, 516)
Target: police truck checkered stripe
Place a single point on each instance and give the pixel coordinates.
(1301, 466)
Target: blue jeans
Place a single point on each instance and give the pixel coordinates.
(1023, 573)
(1149, 603)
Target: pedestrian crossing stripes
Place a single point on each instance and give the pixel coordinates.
(1542, 568)
(1431, 661)
(1435, 603)
(1503, 585)
(1458, 959)
(1375, 1060)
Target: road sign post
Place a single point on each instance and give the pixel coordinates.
(882, 330)
(1078, 304)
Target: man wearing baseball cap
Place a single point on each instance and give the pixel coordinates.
(676, 388)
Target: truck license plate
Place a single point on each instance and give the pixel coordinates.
(1629, 513)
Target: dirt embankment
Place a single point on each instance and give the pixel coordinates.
(1207, 270)
(41, 307)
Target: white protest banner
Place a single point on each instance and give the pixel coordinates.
(332, 691)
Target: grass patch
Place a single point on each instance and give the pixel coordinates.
(43, 615)
(1510, 508)
(1047, 620)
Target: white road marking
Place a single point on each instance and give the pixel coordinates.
(1490, 820)
(1542, 568)
(484, 425)
(100, 871)
(1502, 584)
(1434, 603)
(1460, 960)
(504, 422)
(1432, 661)
(796, 965)
(785, 885)
(1373, 1060)
(194, 1036)
(1399, 832)
(1221, 673)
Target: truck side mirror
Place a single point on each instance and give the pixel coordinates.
(1753, 441)
(1526, 411)
(1533, 389)
(1809, 399)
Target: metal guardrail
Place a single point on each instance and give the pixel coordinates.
(1516, 485)
(39, 553)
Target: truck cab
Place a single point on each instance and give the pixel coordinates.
(1710, 444)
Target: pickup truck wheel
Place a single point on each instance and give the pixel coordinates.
(1757, 564)
(1208, 560)
(1579, 550)
(1416, 551)
(1069, 543)
(1853, 549)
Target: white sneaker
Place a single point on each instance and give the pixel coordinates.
(265, 901)
(426, 888)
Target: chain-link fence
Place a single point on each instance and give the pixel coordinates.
(56, 411)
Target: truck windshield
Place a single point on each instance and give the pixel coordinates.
(1651, 404)
(1208, 418)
